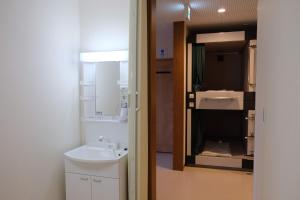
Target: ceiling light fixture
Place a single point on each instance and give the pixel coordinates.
(104, 56)
(221, 10)
(187, 11)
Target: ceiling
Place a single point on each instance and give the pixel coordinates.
(204, 12)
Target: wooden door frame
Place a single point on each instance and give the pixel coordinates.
(151, 36)
(179, 63)
(179, 98)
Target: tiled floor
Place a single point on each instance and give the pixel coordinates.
(200, 183)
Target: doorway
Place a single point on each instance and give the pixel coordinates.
(174, 135)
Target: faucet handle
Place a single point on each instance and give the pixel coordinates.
(112, 145)
(101, 138)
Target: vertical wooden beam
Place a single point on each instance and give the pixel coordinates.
(152, 98)
(179, 114)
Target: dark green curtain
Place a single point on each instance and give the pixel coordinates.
(197, 134)
(198, 66)
(198, 78)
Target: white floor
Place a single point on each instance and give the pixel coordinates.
(200, 184)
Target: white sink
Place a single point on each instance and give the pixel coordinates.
(96, 173)
(88, 154)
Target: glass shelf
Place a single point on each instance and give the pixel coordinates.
(103, 119)
(88, 98)
(87, 83)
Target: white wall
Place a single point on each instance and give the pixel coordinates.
(104, 26)
(164, 39)
(164, 35)
(116, 132)
(277, 168)
(39, 117)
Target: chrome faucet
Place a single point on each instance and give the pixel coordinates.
(101, 139)
(110, 145)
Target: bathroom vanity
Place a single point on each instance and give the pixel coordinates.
(94, 173)
(98, 170)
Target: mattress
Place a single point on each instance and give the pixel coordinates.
(217, 149)
(218, 154)
(220, 100)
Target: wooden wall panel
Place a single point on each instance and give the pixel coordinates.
(224, 74)
(164, 129)
(179, 73)
(151, 24)
(164, 64)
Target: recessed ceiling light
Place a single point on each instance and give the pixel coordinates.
(221, 10)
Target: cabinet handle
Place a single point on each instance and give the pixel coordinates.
(97, 181)
(84, 179)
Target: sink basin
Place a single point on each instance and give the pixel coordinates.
(96, 173)
(88, 154)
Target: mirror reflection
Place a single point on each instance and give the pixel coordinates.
(112, 88)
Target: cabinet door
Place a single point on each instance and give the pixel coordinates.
(251, 123)
(250, 146)
(252, 69)
(105, 188)
(78, 187)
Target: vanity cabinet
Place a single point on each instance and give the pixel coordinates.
(78, 187)
(82, 187)
(105, 188)
(96, 181)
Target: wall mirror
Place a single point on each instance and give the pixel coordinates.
(111, 90)
(104, 86)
